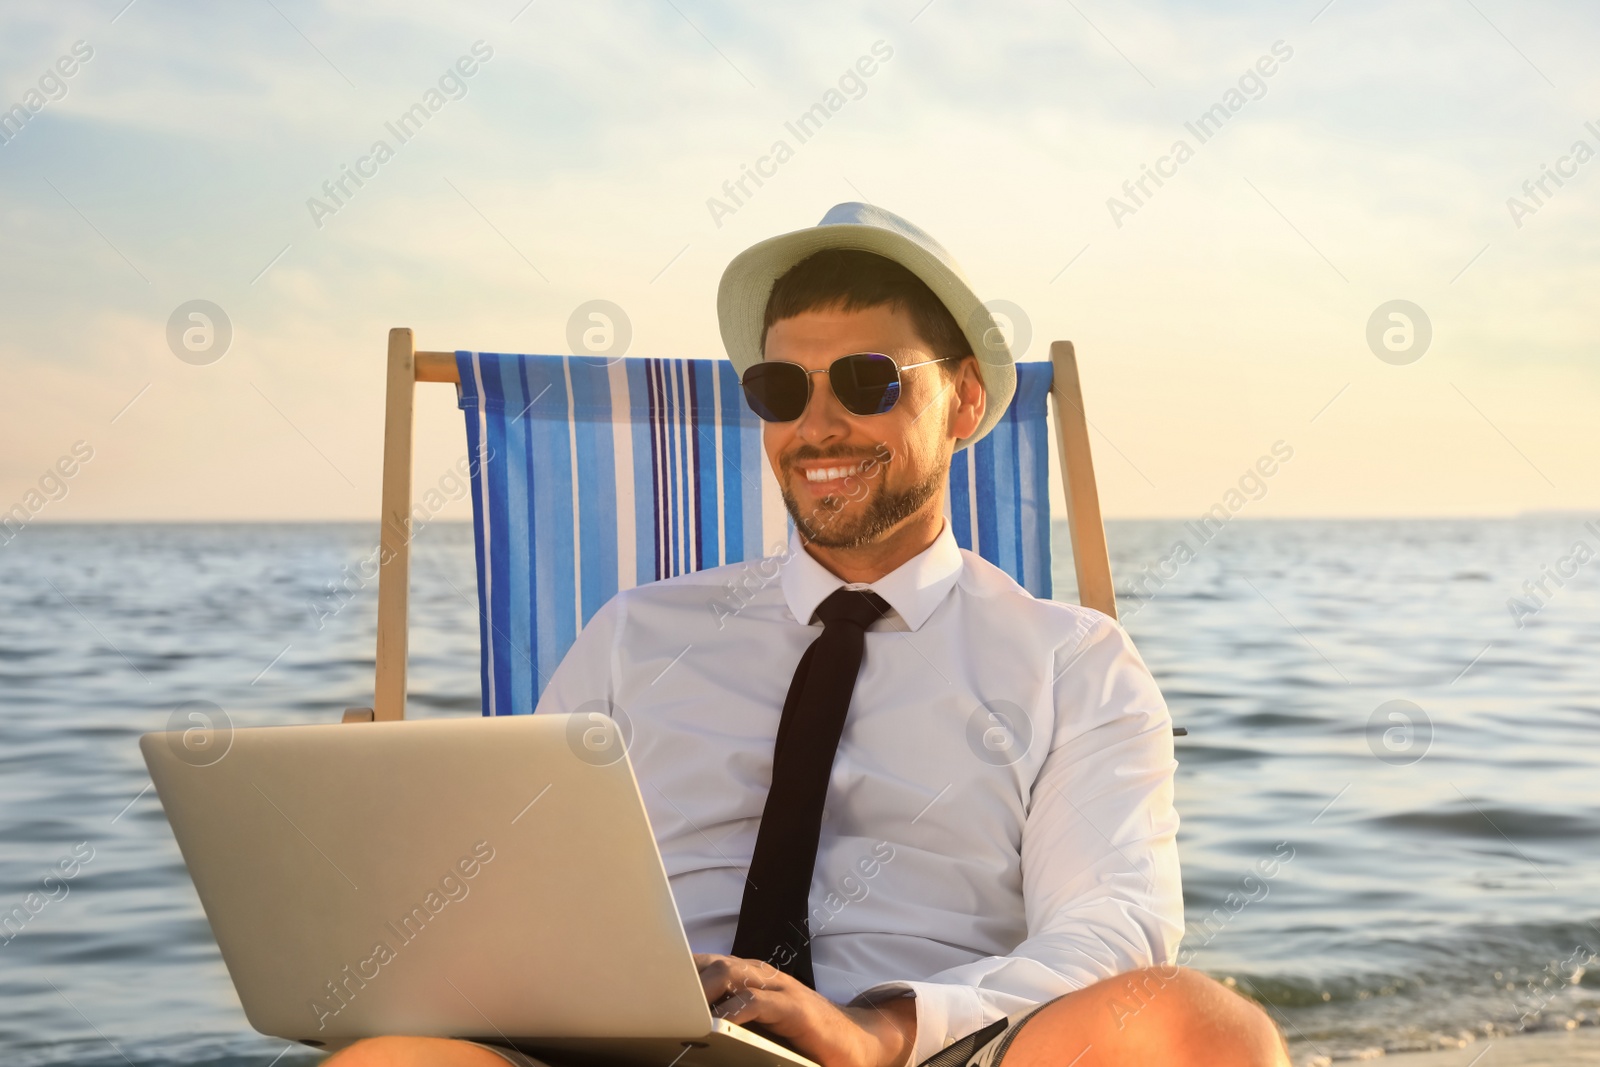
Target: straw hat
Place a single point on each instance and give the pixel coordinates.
(747, 283)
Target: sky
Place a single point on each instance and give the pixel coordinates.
(1358, 154)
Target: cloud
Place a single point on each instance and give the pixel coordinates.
(1382, 152)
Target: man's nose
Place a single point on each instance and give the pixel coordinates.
(824, 417)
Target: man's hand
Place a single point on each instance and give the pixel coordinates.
(749, 991)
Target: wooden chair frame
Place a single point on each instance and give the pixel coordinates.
(407, 367)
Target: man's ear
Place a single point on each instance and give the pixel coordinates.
(971, 399)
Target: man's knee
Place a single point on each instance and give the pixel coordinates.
(374, 1052)
(1169, 1015)
(1195, 1018)
(413, 1052)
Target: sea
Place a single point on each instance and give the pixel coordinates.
(1389, 789)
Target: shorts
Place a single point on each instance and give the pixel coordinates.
(981, 1048)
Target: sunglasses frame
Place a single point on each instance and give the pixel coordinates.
(810, 389)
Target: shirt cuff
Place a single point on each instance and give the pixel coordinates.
(944, 1013)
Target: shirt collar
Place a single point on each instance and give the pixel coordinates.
(912, 589)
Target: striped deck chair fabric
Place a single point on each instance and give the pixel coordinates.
(599, 475)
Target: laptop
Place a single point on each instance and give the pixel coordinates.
(493, 879)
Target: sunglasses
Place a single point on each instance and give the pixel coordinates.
(866, 383)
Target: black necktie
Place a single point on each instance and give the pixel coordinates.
(777, 893)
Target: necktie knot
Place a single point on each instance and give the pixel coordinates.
(862, 607)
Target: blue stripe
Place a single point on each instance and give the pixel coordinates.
(550, 506)
(1033, 454)
(988, 535)
(752, 461)
(500, 609)
(733, 485)
(1035, 380)
(1002, 502)
(1021, 512)
(960, 506)
(660, 488)
(684, 439)
(675, 500)
(682, 450)
(661, 484)
(597, 483)
(469, 403)
(675, 494)
(674, 509)
(522, 535)
(704, 444)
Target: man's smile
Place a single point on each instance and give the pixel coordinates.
(826, 477)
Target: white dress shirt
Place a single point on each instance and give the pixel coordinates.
(999, 827)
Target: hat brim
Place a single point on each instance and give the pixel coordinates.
(747, 284)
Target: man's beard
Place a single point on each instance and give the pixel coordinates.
(862, 521)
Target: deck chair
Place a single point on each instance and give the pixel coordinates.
(603, 474)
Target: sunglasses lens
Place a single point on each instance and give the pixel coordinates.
(775, 391)
(866, 383)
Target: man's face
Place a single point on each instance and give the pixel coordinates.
(851, 480)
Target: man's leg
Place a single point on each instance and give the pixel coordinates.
(415, 1052)
(1166, 1016)
(1169, 1016)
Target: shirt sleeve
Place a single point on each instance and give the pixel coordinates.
(1100, 881)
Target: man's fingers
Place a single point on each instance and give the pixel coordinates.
(715, 977)
(749, 1006)
(721, 975)
(747, 991)
(729, 1006)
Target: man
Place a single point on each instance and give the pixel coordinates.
(941, 830)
